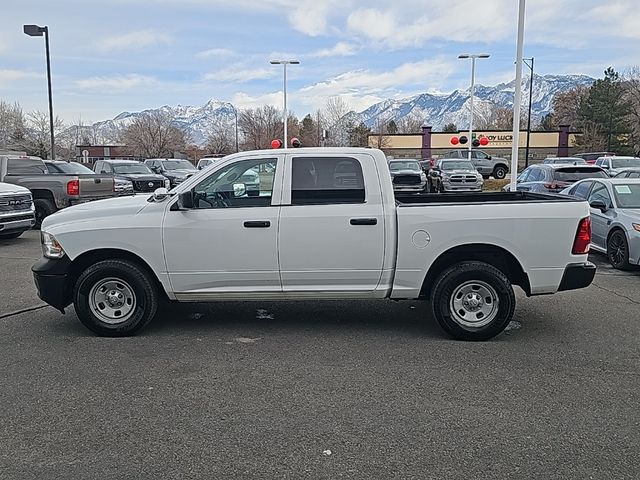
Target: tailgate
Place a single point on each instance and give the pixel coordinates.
(95, 185)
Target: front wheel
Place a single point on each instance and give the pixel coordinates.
(499, 172)
(43, 208)
(115, 298)
(618, 250)
(8, 236)
(472, 301)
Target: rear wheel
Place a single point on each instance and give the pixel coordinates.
(44, 208)
(499, 172)
(115, 298)
(618, 250)
(472, 301)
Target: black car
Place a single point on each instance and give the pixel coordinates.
(553, 178)
(177, 170)
(143, 179)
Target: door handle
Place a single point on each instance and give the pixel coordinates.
(257, 224)
(363, 221)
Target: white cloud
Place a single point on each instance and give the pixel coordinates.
(120, 82)
(244, 100)
(215, 52)
(8, 76)
(340, 49)
(134, 41)
(239, 74)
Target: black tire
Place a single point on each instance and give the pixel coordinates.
(44, 208)
(460, 276)
(618, 250)
(139, 282)
(499, 172)
(8, 236)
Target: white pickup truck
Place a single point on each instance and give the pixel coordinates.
(323, 223)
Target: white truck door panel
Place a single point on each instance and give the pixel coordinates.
(229, 242)
(332, 232)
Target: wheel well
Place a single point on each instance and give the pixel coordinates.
(43, 195)
(613, 230)
(491, 254)
(83, 261)
(497, 165)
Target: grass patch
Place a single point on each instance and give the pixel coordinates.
(492, 185)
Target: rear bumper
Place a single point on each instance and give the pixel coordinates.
(51, 278)
(577, 275)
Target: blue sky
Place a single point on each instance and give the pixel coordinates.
(111, 56)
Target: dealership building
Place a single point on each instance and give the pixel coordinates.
(430, 144)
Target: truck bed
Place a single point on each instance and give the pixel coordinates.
(409, 200)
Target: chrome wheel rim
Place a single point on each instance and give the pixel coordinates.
(112, 300)
(474, 304)
(617, 249)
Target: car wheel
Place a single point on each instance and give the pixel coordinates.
(499, 173)
(618, 250)
(115, 298)
(44, 208)
(472, 301)
(7, 236)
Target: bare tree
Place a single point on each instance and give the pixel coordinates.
(411, 123)
(566, 106)
(12, 125)
(221, 138)
(334, 121)
(500, 118)
(381, 139)
(155, 134)
(259, 126)
(38, 134)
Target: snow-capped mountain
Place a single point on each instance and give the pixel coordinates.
(434, 109)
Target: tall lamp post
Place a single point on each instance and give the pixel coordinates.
(37, 31)
(517, 97)
(473, 58)
(284, 64)
(526, 150)
(235, 111)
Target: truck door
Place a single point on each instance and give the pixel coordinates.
(227, 243)
(331, 224)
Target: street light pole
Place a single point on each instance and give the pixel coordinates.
(526, 151)
(36, 31)
(235, 111)
(473, 58)
(517, 98)
(284, 64)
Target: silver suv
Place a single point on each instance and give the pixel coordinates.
(486, 164)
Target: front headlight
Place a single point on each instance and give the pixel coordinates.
(167, 184)
(636, 226)
(50, 246)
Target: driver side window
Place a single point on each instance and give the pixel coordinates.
(601, 193)
(248, 183)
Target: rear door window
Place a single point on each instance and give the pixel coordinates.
(582, 190)
(25, 166)
(536, 175)
(326, 180)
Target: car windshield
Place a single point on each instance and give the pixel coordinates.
(131, 168)
(578, 173)
(178, 165)
(625, 162)
(457, 165)
(627, 195)
(409, 165)
(71, 168)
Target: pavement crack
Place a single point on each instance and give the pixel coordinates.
(616, 293)
(24, 310)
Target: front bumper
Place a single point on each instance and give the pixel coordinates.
(577, 275)
(17, 221)
(452, 187)
(51, 277)
(418, 187)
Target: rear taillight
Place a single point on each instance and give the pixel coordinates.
(583, 237)
(73, 187)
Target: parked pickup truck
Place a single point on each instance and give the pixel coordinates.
(311, 233)
(53, 192)
(16, 211)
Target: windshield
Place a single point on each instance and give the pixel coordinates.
(131, 168)
(625, 162)
(575, 174)
(71, 168)
(457, 165)
(178, 165)
(627, 195)
(409, 165)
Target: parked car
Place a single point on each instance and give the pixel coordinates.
(407, 176)
(615, 217)
(53, 192)
(139, 174)
(454, 175)
(591, 157)
(554, 178)
(308, 235)
(17, 213)
(176, 170)
(121, 186)
(208, 160)
(629, 173)
(564, 161)
(486, 164)
(614, 165)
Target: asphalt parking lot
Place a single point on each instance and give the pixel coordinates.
(321, 389)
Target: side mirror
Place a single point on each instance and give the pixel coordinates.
(239, 189)
(489, 157)
(185, 200)
(599, 205)
(160, 194)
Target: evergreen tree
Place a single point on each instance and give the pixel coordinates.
(359, 135)
(450, 128)
(309, 132)
(392, 127)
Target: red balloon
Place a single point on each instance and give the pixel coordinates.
(276, 143)
(454, 140)
(484, 141)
